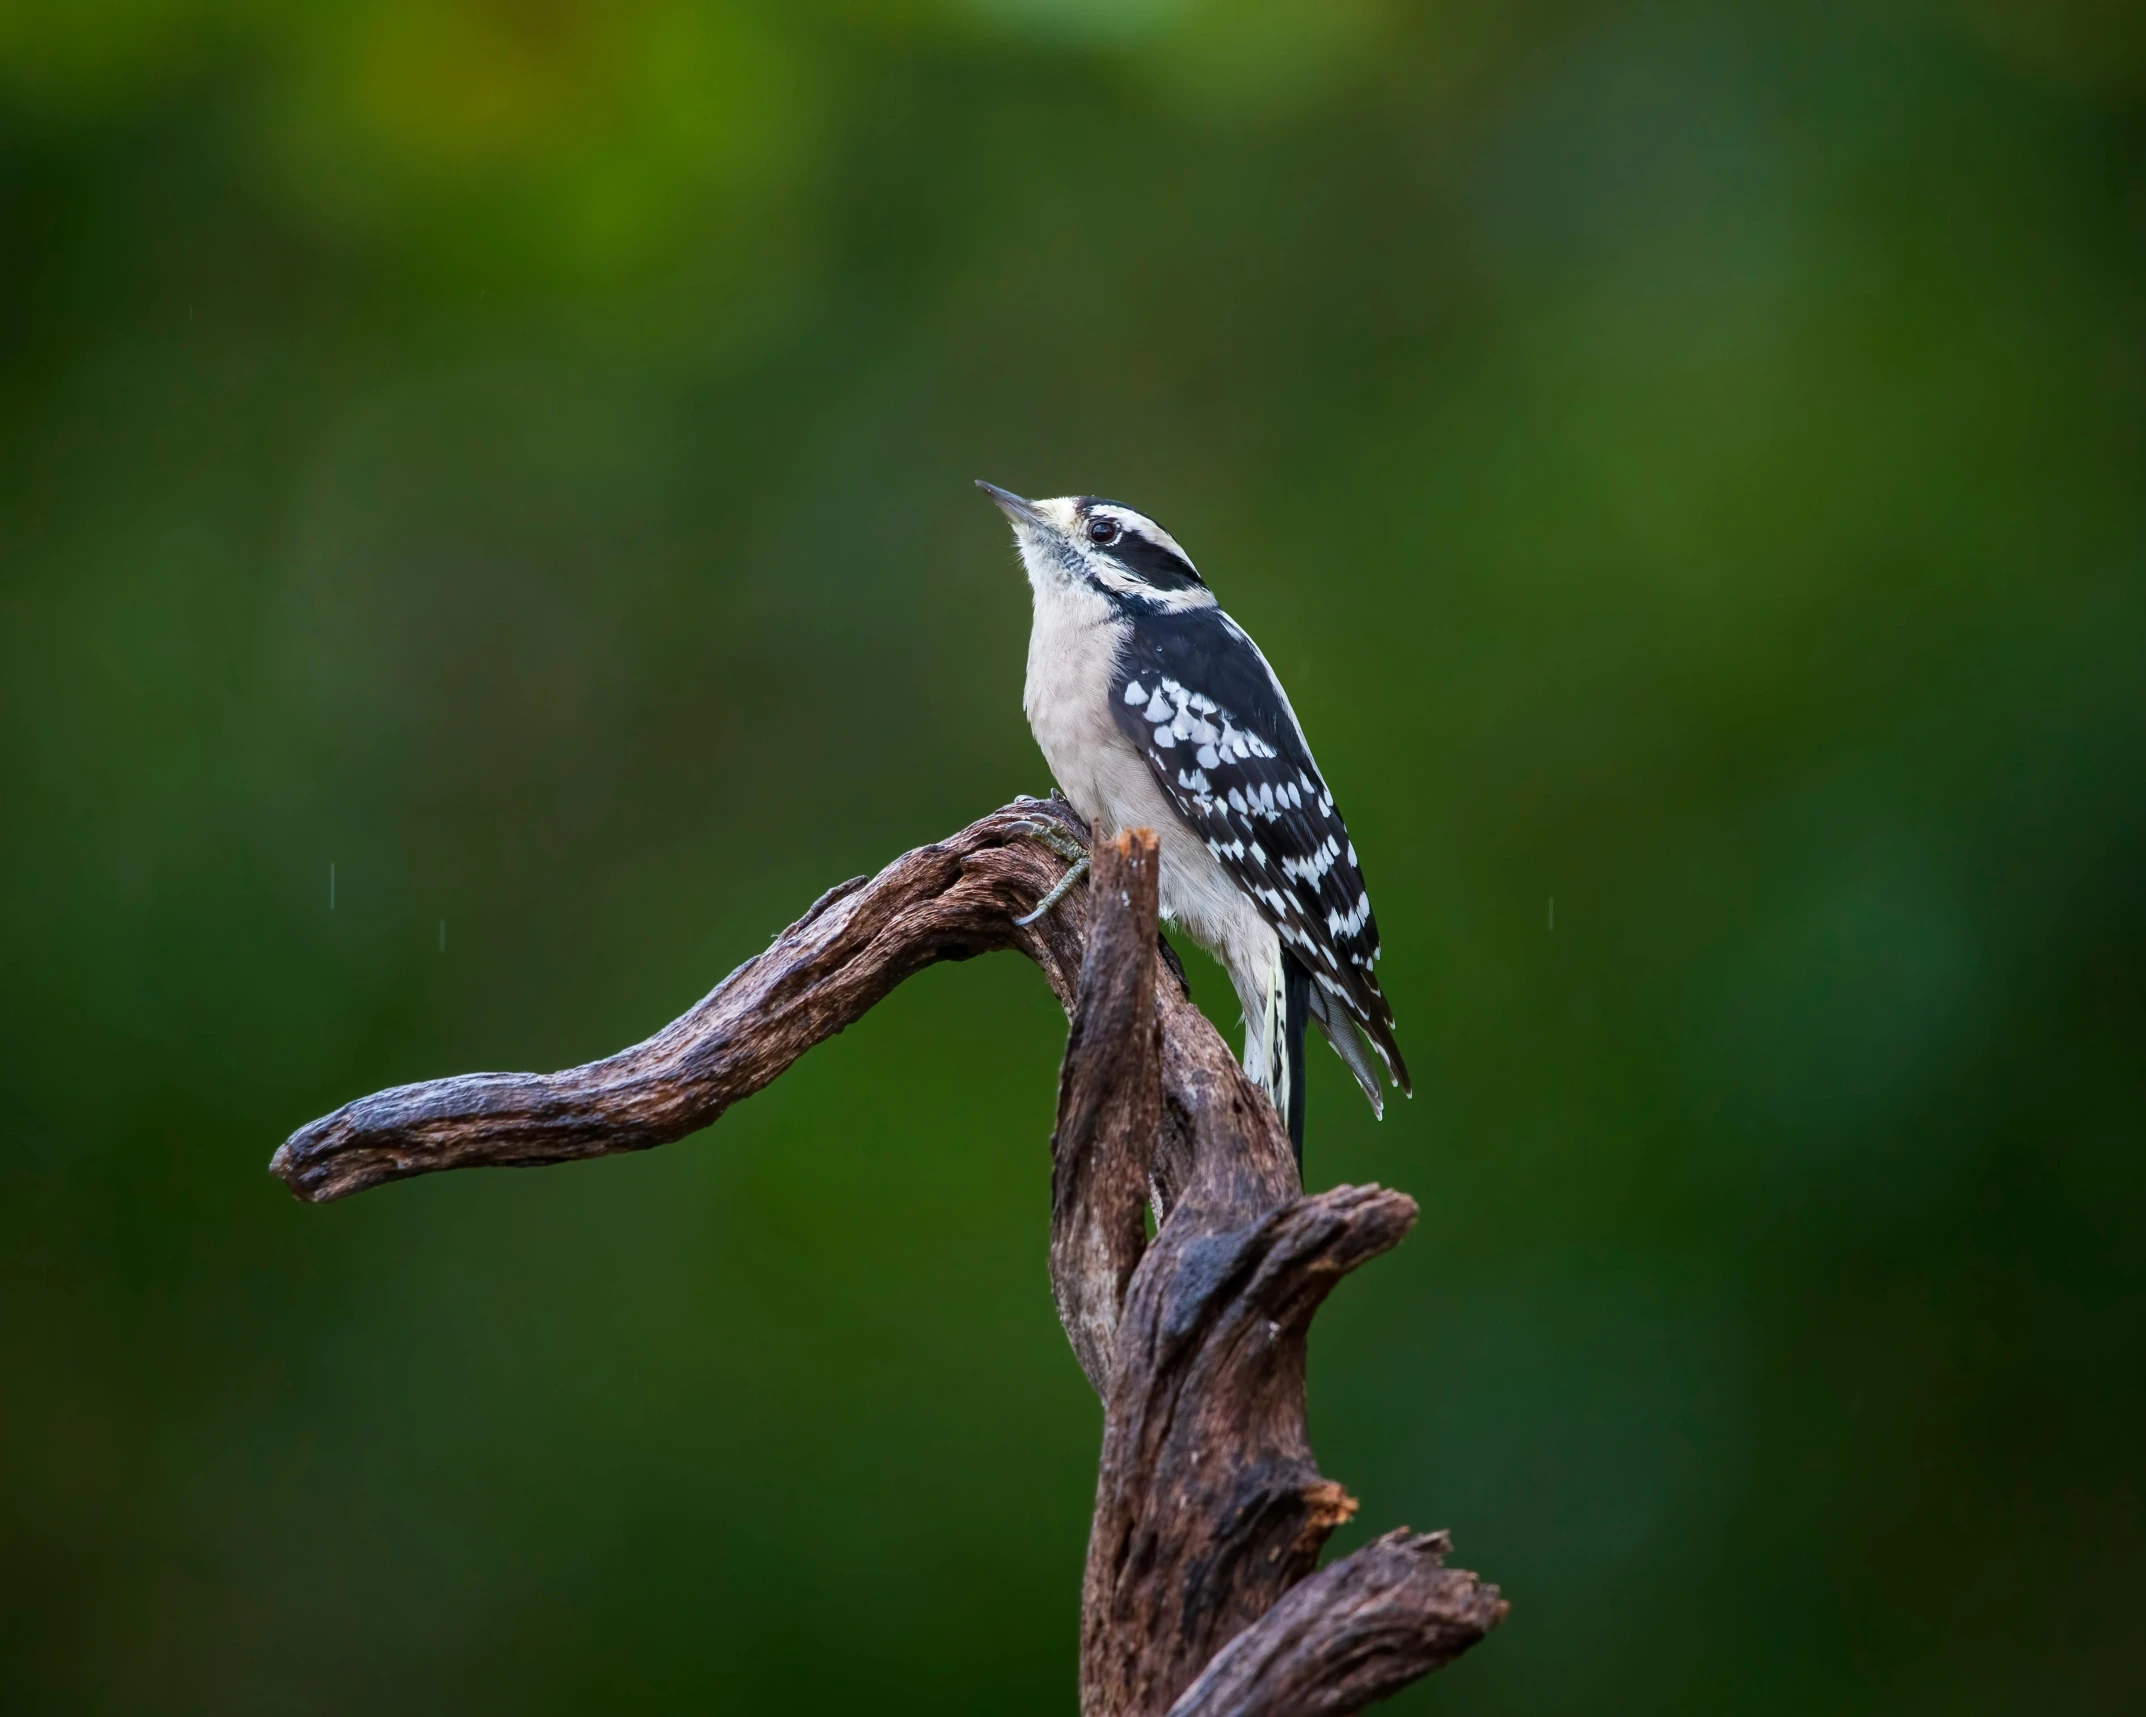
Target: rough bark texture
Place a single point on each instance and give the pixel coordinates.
(1209, 1505)
(1199, 1595)
(1357, 1630)
(1109, 1106)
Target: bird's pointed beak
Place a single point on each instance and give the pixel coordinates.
(1019, 511)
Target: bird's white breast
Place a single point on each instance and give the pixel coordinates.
(1072, 654)
(1072, 660)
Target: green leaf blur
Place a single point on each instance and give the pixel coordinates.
(1688, 463)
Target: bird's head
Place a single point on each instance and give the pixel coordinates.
(1125, 555)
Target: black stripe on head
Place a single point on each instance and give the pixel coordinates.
(1138, 544)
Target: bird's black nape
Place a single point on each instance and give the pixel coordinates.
(1296, 1014)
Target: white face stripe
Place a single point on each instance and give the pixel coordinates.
(1123, 583)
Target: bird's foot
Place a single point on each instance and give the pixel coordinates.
(1054, 835)
(1063, 887)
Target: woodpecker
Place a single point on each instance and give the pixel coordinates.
(1154, 709)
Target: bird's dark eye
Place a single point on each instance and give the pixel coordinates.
(1104, 532)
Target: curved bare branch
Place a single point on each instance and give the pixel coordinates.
(948, 901)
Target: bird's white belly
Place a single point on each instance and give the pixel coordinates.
(1070, 662)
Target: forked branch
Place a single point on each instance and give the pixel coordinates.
(1199, 1596)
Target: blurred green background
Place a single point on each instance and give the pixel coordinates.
(1685, 461)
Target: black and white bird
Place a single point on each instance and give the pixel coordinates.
(1156, 710)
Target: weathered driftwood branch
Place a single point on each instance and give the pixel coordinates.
(948, 901)
(1199, 1596)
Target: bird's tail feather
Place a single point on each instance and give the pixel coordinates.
(1348, 1042)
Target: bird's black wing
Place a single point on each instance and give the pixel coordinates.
(1195, 695)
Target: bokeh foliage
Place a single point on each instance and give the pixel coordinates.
(1685, 460)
